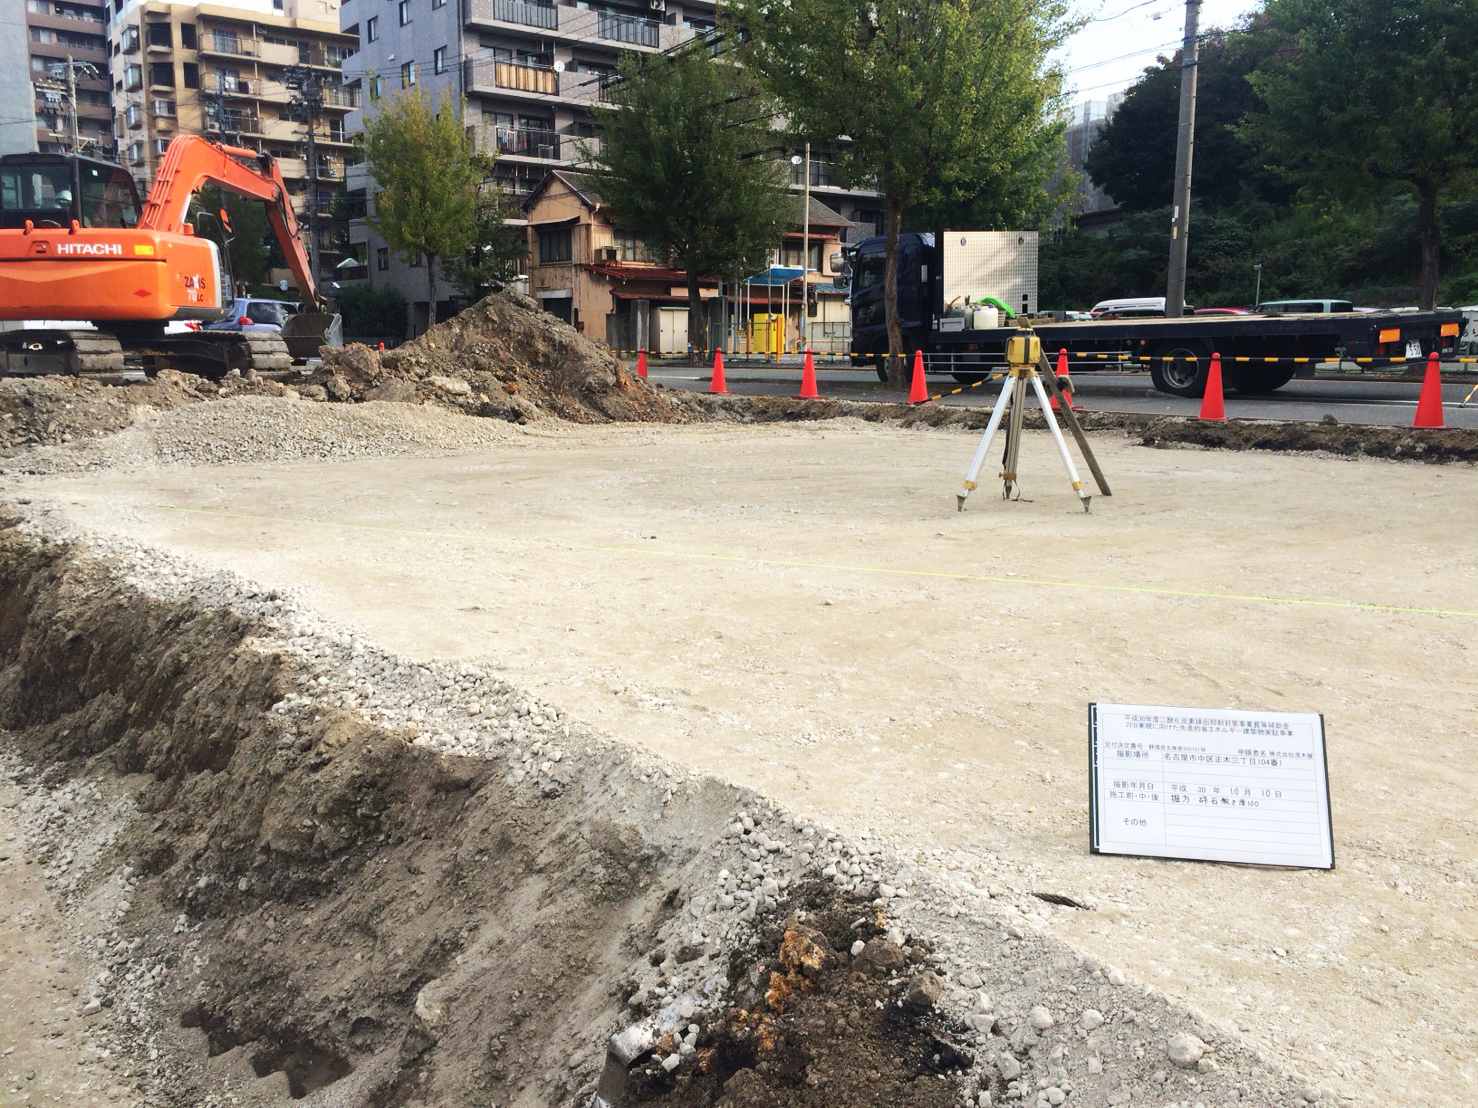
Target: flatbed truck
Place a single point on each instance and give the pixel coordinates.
(944, 279)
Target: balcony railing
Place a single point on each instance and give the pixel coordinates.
(234, 86)
(629, 29)
(528, 141)
(526, 14)
(229, 44)
(341, 97)
(526, 78)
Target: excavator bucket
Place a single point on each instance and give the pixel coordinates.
(304, 333)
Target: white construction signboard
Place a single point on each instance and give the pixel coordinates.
(1209, 784)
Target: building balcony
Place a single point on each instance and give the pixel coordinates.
(521, 13)
(232, 46)
(622, 30)
(527, 142)
(235, 86)
(487, 76)
(345, 98)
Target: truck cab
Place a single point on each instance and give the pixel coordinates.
(866, 269)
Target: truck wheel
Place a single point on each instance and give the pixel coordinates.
(1264, 379)
(1180, 366)
(881, 366)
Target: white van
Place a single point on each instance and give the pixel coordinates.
(1131, 307)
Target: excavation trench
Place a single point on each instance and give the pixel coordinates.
(343, 911)
(274, 902)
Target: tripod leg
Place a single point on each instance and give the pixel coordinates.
(990, 431)
(1067, 460)
(1013, 437)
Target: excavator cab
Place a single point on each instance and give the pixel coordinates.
(52, 190)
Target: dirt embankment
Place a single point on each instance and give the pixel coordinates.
(273, 901)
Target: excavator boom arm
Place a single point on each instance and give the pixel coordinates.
(193, 162)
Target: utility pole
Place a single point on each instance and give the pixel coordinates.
(806, 240)
(1180, 220)
(309, 105)
(72, 101)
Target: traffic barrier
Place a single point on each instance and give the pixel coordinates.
(1212, 407)
(918, 394)
(1429, 404)
(808, 379)
(641, 363)
(719, 385)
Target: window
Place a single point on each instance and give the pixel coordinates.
(554, 245)
(417, 261)
(438, 4)
(187, 36)
(382, 258)
(192, 75)
(376, 87)
(405, 12)
(372, 29)
(133, 77)
(438, 60)
(408, 75)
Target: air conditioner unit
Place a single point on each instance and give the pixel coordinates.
(608, 253)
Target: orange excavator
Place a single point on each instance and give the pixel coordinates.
(75, 245)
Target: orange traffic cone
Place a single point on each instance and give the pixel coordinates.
(808, 379)
(1429, 404)
(1212, 407)
(918, 394)
(1064, 384)
(641, 362)
(719, 385)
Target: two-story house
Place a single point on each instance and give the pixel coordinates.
(586, 270)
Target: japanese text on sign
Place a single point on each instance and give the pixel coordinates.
(1209, 784)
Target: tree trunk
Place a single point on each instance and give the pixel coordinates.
(697, 323)
(430, 291)
(1431, 239)
(897, 367)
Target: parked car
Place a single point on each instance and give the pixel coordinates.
(1222, 311)
(249, 313)
(1132, 307)
(1304, 307)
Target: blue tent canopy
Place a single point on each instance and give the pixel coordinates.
(777, 275)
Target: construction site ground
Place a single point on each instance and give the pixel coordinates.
(798, 608)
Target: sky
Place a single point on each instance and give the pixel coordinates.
(1109, 54)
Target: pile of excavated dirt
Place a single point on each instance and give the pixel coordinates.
(504, 357)
(263, 898)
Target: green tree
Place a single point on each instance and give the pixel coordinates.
(252, 248)
(688, 163)
(495, 251)
(372, 312)
(1373, 98)
(428, 172)
(1133, 157)
(938, 99)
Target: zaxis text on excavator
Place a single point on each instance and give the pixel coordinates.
(75, 245)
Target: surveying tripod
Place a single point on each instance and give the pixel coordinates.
(1024, 353)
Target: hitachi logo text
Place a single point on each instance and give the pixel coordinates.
(103, 248)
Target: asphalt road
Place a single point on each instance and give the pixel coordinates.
(1349, 400)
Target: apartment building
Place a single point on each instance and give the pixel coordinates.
(242, 69)
(67, 71)
(529, 72)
